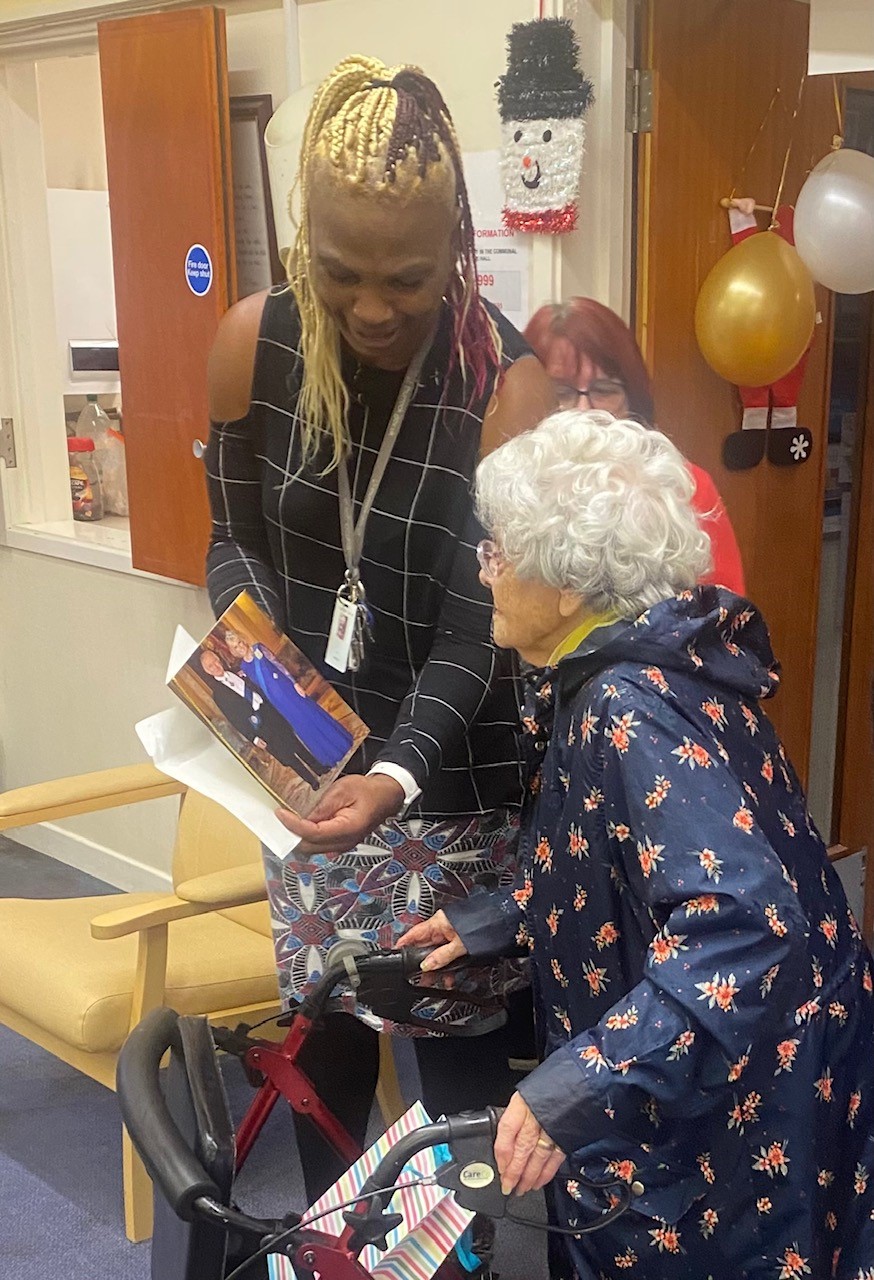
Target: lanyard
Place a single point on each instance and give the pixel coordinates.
(350, 626)
(352, 531)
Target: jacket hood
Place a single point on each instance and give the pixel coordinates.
(708, 632)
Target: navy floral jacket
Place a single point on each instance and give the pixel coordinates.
(703, 994)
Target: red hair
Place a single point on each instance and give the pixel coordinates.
(587, 328)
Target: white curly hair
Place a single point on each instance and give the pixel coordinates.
(597, 506)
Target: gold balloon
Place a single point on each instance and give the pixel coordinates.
(756, 310)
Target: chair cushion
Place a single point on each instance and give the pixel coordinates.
(255, 916)
(80, 988)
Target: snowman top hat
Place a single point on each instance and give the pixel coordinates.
(543, 79)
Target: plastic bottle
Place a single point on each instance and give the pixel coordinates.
(85, 485)
(94, 424)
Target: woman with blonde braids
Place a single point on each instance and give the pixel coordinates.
(380, 354)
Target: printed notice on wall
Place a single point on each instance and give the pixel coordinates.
(503, 257)
(250, 211)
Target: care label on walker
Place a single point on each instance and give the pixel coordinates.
(341, 635)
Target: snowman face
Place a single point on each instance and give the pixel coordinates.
(541, 162)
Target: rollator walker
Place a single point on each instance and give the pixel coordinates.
(183, 1131)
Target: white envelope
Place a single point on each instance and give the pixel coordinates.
(182, 747)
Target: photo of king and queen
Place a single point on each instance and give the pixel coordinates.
(269, 704)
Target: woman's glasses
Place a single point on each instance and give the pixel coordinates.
(491, 559)
(602, 393)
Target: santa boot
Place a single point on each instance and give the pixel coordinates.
(746, 448)
(788, 444)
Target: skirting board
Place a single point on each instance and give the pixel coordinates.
(92, 858)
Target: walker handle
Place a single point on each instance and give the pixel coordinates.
(165, 1153)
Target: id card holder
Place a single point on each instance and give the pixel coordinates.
(341, 635)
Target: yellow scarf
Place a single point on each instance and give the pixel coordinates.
(579, 634)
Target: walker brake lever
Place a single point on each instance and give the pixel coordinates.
(472, 1175)
(386, 986)
(384, 981)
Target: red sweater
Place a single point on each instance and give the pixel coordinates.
(728, 569)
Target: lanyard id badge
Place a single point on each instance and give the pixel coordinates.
(351, 628)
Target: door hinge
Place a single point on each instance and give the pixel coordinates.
(7, 442)
(638, 101)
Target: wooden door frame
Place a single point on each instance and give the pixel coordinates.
(852, 818)
(853, 798)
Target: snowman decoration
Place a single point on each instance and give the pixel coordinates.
(542, 98)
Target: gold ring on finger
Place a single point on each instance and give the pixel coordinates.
(546, 1143)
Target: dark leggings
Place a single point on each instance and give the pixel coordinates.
(341, 1057)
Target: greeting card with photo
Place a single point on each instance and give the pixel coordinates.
(268, 704)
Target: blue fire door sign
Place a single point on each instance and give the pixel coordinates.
(198, 270)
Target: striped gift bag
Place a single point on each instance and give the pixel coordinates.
(432, 1225)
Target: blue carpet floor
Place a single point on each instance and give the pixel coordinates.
(60, 1146)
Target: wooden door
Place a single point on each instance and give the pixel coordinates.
(716, 66)
(165, 108)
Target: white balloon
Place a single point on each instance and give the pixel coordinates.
(834, 222)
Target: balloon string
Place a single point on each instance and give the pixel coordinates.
(756, 140)
(774, 221)
(838, 139)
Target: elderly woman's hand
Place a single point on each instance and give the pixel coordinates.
(526, 1156)
(438, 933)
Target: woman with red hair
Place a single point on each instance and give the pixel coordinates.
(595, 363)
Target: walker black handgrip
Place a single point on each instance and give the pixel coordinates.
(413, 957)
(165, 1153)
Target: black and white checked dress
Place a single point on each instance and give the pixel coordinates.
(439, 699)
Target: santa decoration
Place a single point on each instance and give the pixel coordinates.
(542, 97)
(770, 414)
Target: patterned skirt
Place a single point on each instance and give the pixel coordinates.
(405, 872)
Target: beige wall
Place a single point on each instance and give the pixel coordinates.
(28, 10)
(420, 31)
(83, 654)
(24, 10)
(256, 54)
(71, 114)
(461, 44)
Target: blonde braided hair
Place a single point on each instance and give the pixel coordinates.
(388, 129)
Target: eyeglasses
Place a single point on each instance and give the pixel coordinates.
(602, 393)
(491, 559)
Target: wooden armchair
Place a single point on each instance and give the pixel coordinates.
(77, 973)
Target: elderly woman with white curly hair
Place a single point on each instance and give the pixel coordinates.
(703, 994)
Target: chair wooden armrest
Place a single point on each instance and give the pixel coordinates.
(236, 887)
(233, 887)
(163, 909)
(87, 793)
